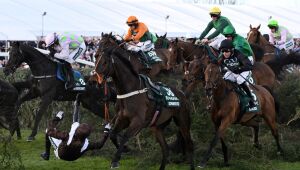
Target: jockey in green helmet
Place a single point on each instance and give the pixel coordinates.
(239, 42)
(280, 36)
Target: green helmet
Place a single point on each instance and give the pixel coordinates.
(228, 30)
(273, 23)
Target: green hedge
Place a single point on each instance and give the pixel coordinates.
(238, 138)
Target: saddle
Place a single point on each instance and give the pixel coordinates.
(244, 103)
(160, 93)
(78, 77)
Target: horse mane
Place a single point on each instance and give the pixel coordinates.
(258, 52)
(32, 50)
(123, 56)
(260, 37)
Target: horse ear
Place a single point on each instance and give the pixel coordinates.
(102, 34)
(258, 26)
(165, 35)
(176, 40)
(156, 35)
(15, 43)
(250, 26)
(110, 34)
(194, 40)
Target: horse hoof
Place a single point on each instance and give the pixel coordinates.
(257, 146)
(114, 165)
(202, 165)
(45, 156)
(30, 138)
(126, 149)
(279, 153)
(226, 164)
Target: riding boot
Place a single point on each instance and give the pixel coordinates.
(144, 59)
(70, 77)
(248, 92)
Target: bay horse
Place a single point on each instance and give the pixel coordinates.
(8, 110)
(45, 84)
(134, 57)
(226, 110)
(255, 37)
(162, 42)
(136, 110)
(262, 74)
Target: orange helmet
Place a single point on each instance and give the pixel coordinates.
(132, 20)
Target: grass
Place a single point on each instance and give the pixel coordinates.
(243, 157)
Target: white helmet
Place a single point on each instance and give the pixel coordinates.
(50, 39)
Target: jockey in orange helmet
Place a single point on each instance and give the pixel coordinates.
(143, 40)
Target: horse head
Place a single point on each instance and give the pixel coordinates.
(104, 61)
(213, 77)
(108, 40)
(253, 35)
(162, 41)
(16, 58)
(176, 54)
(195, 70)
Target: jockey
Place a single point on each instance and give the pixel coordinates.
(280, 37)
(67, 47)
(238, 66)
(239, 42)
(70, 146)
(219, 23)
(142, 40)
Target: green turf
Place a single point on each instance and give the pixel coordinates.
(30, 151)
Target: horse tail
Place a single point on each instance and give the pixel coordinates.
(277, 103)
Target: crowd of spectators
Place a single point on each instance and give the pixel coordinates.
(91, 43)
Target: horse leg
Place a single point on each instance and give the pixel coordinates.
(225, 151)
(157, 132)
(219, 134)
(188, 144)
(116, 130)
(270, 120)
(254, 124)
(18, 130)
(134, 127)
(255, 132)
(46, 101)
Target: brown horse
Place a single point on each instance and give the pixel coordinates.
(162, 42)
(255, 37)
(194, 74)
(135, 110)
(108, 40)
(226, 109)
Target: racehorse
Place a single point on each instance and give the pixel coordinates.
(136, 110)
(8, 111)
(262, 74)
(47, 86)
(162, 41)
(226, 110)
(108, 40)
(184, 52)
(255, 37)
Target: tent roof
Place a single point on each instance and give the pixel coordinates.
(22, 20)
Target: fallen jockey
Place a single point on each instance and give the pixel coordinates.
(70, 146)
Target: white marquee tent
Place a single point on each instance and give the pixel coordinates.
(23, 19)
